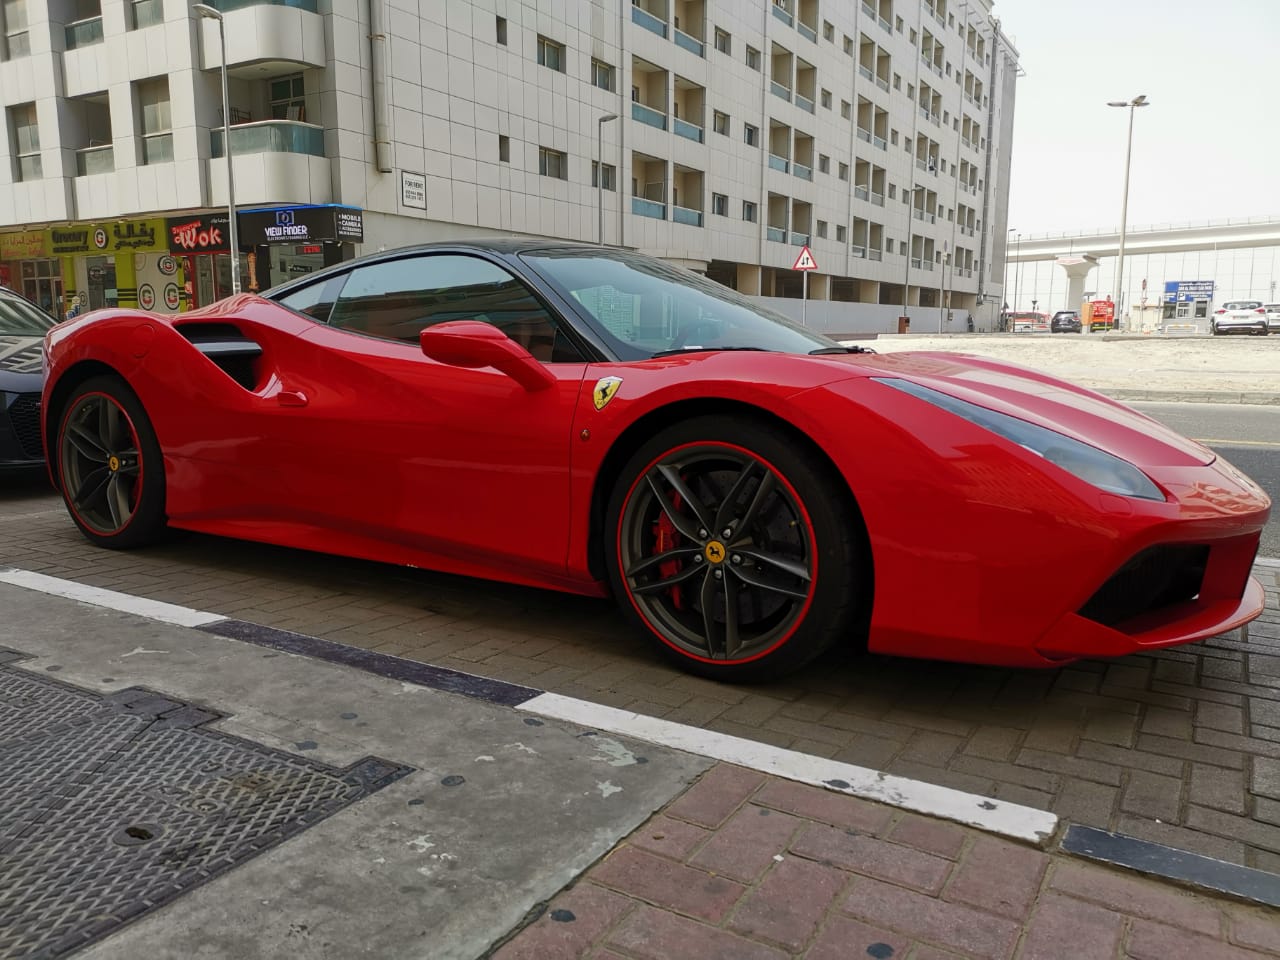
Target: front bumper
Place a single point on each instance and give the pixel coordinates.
(21, 443)
(1241, 326)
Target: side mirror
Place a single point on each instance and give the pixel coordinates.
(474, 343)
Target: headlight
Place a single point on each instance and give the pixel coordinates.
(1090, 464)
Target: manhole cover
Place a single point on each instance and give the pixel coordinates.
(111, 806)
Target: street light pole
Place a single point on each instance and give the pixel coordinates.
(1017, 270)
(600, 122)
(1004, 286)
(210, 13)
(1139, 101)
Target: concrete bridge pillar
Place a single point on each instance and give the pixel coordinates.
(1077, 268)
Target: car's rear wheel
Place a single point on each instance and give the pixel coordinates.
(109, 465)
(734, 549)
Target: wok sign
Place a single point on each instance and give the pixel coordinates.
(199, 233)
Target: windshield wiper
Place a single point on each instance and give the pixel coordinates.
(822, 351)
(670, 353)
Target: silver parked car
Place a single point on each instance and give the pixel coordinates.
(1240, 316)
(1273, 316)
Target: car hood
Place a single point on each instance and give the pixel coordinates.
(20, 354)
(1046, 401)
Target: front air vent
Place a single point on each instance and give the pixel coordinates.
(1153, 580)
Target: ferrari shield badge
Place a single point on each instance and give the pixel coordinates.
(604, 391)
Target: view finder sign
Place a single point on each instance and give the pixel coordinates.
(1187, 291)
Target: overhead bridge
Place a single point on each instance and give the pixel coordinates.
(1184, 238)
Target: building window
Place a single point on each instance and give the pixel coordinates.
(893, 191)
(504, 148)
(753, 58)
(719, 204)
(845, 109)
(724, 42)
(610, 175)
(840, 233)
(147, 13)
(898, 25)
(848, 44)
(826, 99)
(601, 75)
(828, 31)
(26, 141)
(913, 38)
(911, 91)
(893, 137)
(16, 42)
(844, 171)
(822, 229)
(156, 124)
(551, 54)
(288, 99)
(750, 134)
(553, 163)
(897, 81)
(824, 163)
(720, 122)
(748, 211)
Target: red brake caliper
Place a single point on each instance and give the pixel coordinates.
(665, 536)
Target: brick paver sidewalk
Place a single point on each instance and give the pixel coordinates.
(748, 867)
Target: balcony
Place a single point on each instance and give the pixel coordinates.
(883, 84)
(776, 234)
(778, 89)
(783, 14)
(648, 115)
(927, 265)
(648, 208)
(779, 163)
(801, 171)
(859, 252)
(915, 262)
(877, 199)
(265, 39)
(147, 13)
(94, 160)
(876, 254)
(692, 44)
(885, 25)
(869, 10)
(804, 103)
(799, 239)
(687, 216)
(806, 31)
(880, 143)
(864, 134)
(918, 214)
(643, 18)
(866, 72)
(84, 33)
(270, 136)
(690, 131)
(862, 193)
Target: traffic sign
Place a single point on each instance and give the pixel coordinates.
(805, 261)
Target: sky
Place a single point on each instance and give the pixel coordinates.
(1206, 148)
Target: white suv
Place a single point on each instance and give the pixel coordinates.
(1240, 316)
(1273, 315)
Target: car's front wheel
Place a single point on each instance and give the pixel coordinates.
(110, 468)
(734, 548)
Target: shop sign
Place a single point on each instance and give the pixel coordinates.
(301, 225)
(1187, 291)
(23, 245)
(199, 233)
(139, 236)
(146, 296)
(171, 296)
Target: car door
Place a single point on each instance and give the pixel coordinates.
(398, 450)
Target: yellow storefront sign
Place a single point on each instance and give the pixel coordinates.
(23, 245)
(124, 236)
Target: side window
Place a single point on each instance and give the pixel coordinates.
(398, 299)
(315, 299)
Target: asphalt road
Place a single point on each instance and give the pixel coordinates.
(1247, 436)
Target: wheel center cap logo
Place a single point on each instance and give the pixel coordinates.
(714, 551)
(113, 464)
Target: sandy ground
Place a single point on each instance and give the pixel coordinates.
(1236, 364)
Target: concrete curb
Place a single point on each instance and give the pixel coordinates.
(1244, 397)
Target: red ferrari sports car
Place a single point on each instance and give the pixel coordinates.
(592, 420)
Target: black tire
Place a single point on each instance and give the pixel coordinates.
(793, 558)
(109, 455)
(1213, 329)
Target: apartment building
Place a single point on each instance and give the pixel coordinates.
(723, 135)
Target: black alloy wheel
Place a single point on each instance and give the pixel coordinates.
(109, 465)
(732, 549)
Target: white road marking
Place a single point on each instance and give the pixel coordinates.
(98, 597)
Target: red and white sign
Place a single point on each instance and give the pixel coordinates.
(805, 261)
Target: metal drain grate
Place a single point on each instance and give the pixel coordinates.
(113, 806)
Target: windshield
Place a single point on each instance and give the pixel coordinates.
(645, 307)
(20, 318)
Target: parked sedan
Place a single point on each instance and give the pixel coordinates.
(1273, 316)
(1240, 316)
(1065, 321)
(22, 326)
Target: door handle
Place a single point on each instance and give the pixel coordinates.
(291, 398)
